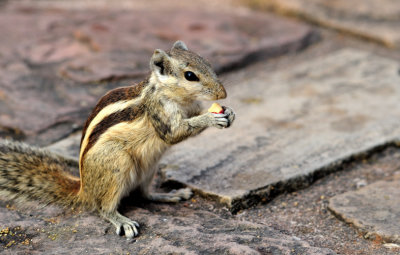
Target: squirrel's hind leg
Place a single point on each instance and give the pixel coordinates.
(108, 210)
(172, 197)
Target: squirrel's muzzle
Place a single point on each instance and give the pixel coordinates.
(221, 92)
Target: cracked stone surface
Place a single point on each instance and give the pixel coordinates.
(166, 229)
(378, 20)
(291, 127)
(56, 62)
(374, 209)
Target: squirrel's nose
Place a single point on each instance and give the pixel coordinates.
(221, 93)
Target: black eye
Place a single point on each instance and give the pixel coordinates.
(190, 76)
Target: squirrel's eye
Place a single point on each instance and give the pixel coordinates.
(190, 76)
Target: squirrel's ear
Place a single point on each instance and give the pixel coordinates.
(159, 61)
(180, 45)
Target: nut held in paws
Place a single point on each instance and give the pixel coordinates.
(216, 108)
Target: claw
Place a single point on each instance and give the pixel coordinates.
(135, 231)
(220, 115)
(128, 231)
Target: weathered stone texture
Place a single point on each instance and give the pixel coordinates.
(165, 229)
(292, 126)
(374, 210)
(378, 20)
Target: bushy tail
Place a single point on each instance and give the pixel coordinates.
(29, 173)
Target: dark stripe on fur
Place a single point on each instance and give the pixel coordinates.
(115, 95)
(125, 115)
(162, 127)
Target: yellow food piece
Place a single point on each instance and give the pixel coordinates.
(215, 108)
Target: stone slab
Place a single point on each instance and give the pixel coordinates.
(40, 108)
(374, 210)
(56, 62)
(102, 45)
(165, 229)
(291, 127)
(378, 20)
(68, 147)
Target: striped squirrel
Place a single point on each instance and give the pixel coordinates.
(123, 139)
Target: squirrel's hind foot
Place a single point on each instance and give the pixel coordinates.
(122, 224)
(171, 197)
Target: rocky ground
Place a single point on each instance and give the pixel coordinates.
(311, 166)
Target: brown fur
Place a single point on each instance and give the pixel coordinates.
(29, 173)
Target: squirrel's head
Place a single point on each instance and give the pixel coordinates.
(186, 74)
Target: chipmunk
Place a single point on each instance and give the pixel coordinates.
(123, 139)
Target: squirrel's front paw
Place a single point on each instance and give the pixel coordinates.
(230, 115)
(218, 120)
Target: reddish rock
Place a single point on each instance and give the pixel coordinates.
(120, 43)
(165, 229)
(374, 210)
(377, 20)
(53, 58)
